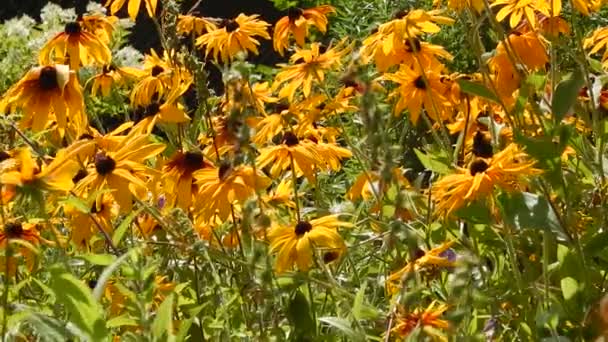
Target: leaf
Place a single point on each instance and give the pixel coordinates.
(98, 259)
(433, 162)
(121, 321)
(569, 287)
(566, 94)
(85, 312)
(162, 327)
(119, 233)
(107, 273)
(78, 203)
(49, 327)
(300, 316)
(342, 325)
(477, 89)
(360, 310)
(525, 210)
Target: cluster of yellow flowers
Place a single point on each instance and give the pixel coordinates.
(292, 140)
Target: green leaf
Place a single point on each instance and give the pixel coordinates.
(525, 210)
(360, 310)
(78, 203)
(342, 325)
(162, 327)
(477, 89)
(300, 316)
(121, 321)
(49, 327)
(433, 162)
(566, 94)
(569, 287)
(475, 212)
(119, 233)
(85, 312)
(98, 259)
(107, 273)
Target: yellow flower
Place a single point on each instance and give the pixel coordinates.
(234, 36)
(281, 194)
(133, 7)
(310, 68)
(100, 26)
(297, 22)
(408, 24)
(187, 24)
(506, 169)
(83, 227)
(517, 9)
(588, 6)
(16, 230)
(294, 244)
(111, 74)
(178, 177)
(56, 176)
(415, 94)
(301, 153)
(431, 258)
(406, 322)
(167, 110)
(221, 188)
(411, 52)
(240, 94)
(121, 169)
(596, 42)
(45, 90)
(75, 46)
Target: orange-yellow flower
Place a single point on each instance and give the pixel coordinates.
(234, 36)
(75, 46)
(133, 7)
(296, 22)
(47, 90)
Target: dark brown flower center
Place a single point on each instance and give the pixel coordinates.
(419, 83)
(151, 109)
(85, 136)
(193, 161)
(4, 156)
(224, 170)
(107, 68)
(230, 25)
(478, 166)
(157, 70)
(401, 14)
(73, 28)
(48, 78)
(294, 13)
(79, 175)
(330, 256)
(412, 45)
(482, 147)
(13, 230)
(95, 210)
(290, 139)
(302, 228)
(104, 164)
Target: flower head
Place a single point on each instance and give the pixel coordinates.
(297, 22)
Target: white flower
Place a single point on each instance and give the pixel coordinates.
(96, 8)
(19, 27)
(53, 14)
(128, 56)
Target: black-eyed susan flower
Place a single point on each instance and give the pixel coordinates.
(132, 7)
(222, 187)
(167, 110)
(518, 9)
(307, 67)
(56, 176)
(44, 91)
(83, 228)
(427, 319)
(408, 24)
(597, 42)
(17, 230)
(121, 169)
(415, 93)
(241, 94)
(233, 36)
(293, 151)
(190, 24)
(432, 258)
(297, 22)
(75, 46)
(587, 7)
(281, 194)
(178, 177)
(295, 244)
(110, 75)
(101, 26)
(507, 169)
(412, 53)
